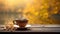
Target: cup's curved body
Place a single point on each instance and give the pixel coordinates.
(21, 23)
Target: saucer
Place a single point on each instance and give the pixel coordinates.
(25, 28)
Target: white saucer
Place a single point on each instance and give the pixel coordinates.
(27, 26)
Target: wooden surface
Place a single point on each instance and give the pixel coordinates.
(37, 28)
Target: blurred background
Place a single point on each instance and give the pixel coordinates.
(36, 11)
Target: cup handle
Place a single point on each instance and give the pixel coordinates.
(14, 22)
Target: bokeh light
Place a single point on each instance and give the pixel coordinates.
(37, 11)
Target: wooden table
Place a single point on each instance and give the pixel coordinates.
(35, 28)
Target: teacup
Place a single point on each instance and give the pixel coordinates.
(21, 23)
